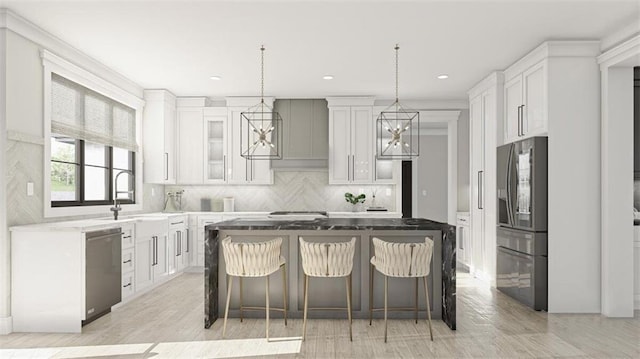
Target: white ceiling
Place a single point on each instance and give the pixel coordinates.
(179, 44)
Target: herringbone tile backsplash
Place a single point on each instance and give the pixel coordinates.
(291, 191)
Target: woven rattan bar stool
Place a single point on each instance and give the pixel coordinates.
(259, 259)
(401, 260)
(327, 260)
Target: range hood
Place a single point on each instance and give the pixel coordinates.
(305, 132)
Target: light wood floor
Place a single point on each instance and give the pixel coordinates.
(168, 323)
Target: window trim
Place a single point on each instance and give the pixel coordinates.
(53, 63)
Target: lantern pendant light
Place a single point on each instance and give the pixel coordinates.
(261, 127)
(397, 130)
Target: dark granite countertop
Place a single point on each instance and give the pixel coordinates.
(404, 224)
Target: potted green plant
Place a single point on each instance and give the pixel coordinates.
(354, 200)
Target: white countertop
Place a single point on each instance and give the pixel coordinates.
(84, 225)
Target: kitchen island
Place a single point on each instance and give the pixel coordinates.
(328, 292)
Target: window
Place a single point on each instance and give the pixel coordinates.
(84, 173)
(92, 145)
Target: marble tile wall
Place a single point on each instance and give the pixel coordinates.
(291, 191)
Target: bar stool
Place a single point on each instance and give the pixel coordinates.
(401, 260)
(327, 260)
(258, 259)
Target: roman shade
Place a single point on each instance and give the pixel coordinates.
(81, 113)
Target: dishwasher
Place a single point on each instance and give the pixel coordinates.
(103, 272)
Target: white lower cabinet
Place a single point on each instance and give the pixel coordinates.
(463, 244)
(151, 253)
(128, 260)
(128, 285)
(178, 248)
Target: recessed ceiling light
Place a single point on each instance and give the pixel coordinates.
(327, 77)
(443, 77)
(217, 78)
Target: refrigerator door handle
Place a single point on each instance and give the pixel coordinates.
(509, 201)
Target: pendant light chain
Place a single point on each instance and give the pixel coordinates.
(397, 48)
(262, 74)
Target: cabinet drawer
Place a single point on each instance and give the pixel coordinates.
(128, 260)
(128, 285)
(128, 236)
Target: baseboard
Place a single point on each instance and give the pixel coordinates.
(6, 325)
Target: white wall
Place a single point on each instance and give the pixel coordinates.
(432, 178)
(574, 185)
(463, 162)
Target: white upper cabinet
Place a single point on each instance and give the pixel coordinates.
(525, 96)
(351, 140)
(158, 137)
(362, 136)
(534, 113)
(215, 145)
(513, 103)
(339, 145)
(190, 145)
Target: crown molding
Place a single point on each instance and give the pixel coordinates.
(17, 24)
(620, 53)
(418, 105)
(494, 79)
(620, 36)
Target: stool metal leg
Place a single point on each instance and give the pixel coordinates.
(286, 294)
(267, 306)
(426, 290)
(386, 291)
(241, 302)
(348, 285)
(226, 310)
(306, 298)
(370, 292)
(415, 309)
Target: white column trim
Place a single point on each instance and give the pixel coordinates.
(452, 170)
(617, 227)
(5, 248)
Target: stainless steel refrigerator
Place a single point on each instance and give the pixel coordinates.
(521, 263)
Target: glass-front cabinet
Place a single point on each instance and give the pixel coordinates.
(215, 132)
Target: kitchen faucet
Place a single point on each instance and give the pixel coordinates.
(116, 206)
